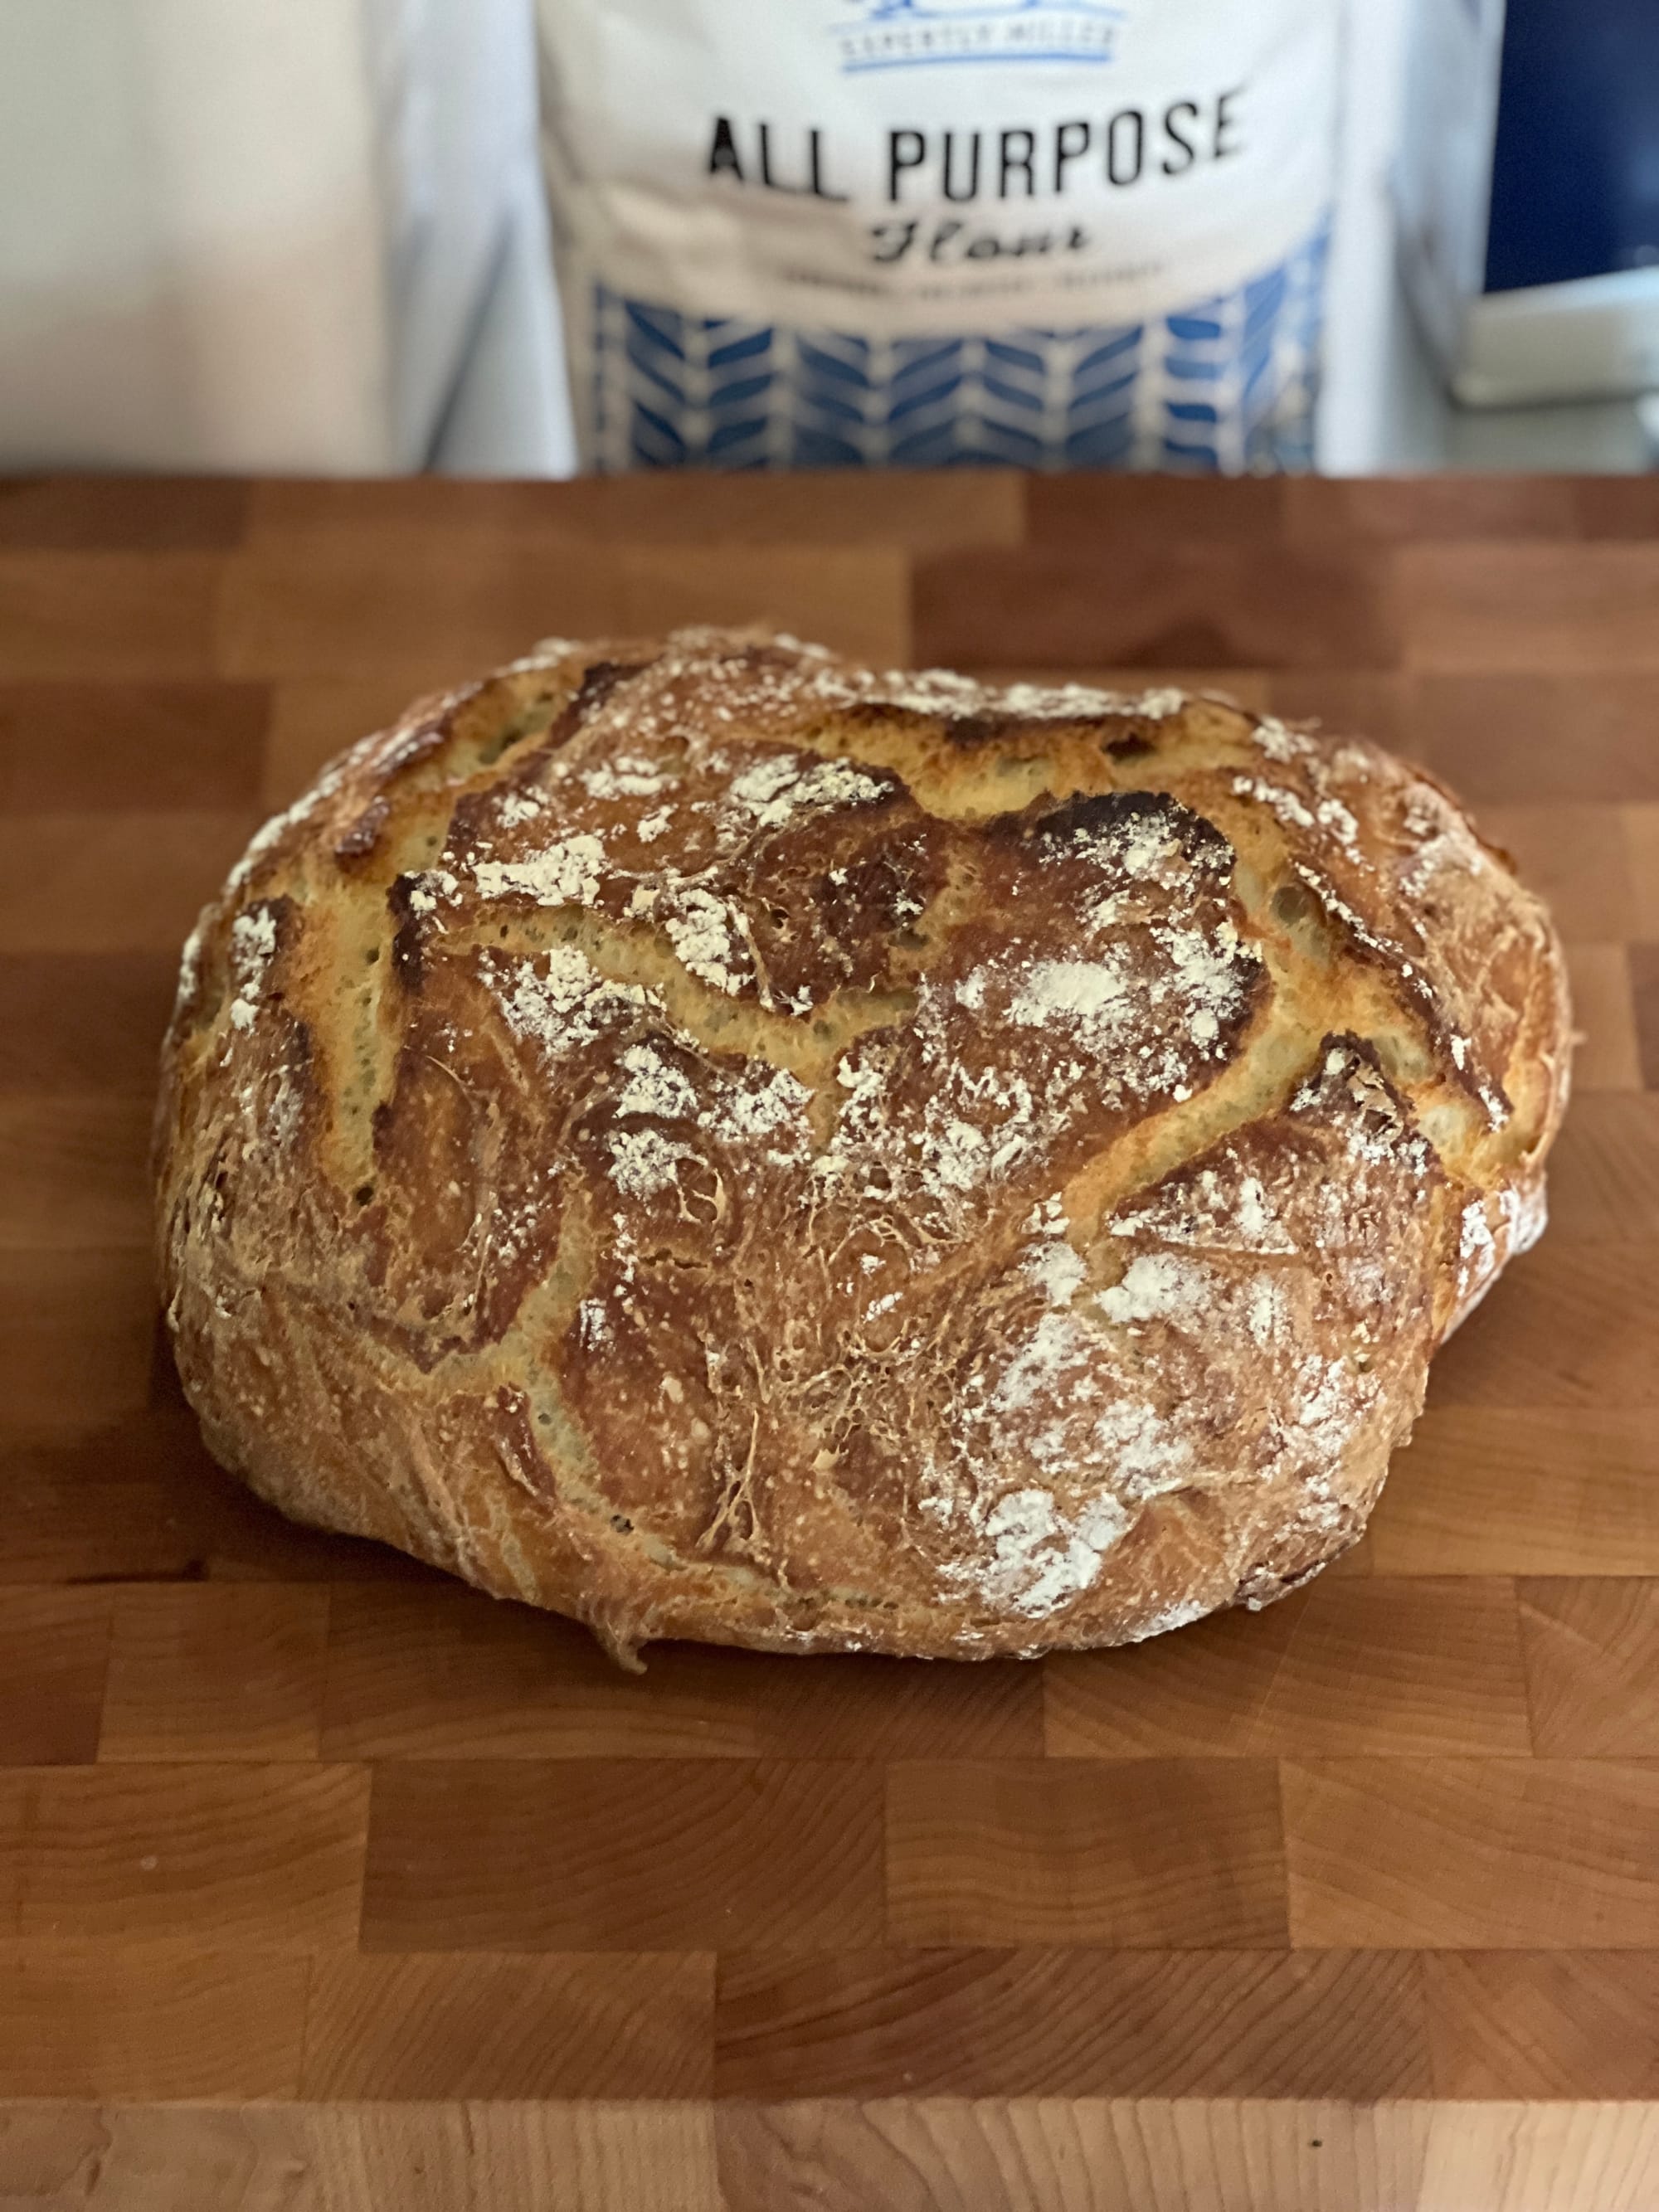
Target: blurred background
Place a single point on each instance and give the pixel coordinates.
(313, 236)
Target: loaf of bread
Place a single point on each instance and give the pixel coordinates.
(724, 1144)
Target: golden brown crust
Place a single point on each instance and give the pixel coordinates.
(723, 1144)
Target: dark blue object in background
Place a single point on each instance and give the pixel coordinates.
(1575, 181)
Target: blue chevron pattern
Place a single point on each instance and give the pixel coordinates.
(1226, 387)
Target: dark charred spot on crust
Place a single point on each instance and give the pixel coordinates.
(1355, 1047)
(1046, 832)
(428, 736)
(870, 888)
(1327, 1086)
(1484, 1087)
(471, 821)
(883, 714)
(879, 892)
(970, 733)
(598, 682)
(359, 839)
(825, 892)
(1087, 815)
(408, 937)
(283, 912)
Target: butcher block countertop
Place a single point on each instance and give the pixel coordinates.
(326, 1884)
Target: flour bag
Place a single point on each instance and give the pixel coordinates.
(806, 234)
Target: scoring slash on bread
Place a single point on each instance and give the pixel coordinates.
(725, 1143)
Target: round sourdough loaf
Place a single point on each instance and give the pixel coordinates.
(724, 1144)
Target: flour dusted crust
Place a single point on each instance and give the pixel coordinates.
(724, 1144)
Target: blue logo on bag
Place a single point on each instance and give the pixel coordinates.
(1224, 385)
(926, 34)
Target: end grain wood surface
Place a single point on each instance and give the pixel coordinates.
(327, 1884)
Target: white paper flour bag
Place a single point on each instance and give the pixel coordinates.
(809, 233)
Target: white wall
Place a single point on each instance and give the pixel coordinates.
(247, 234)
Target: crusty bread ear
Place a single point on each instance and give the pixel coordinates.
(724, 1144)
